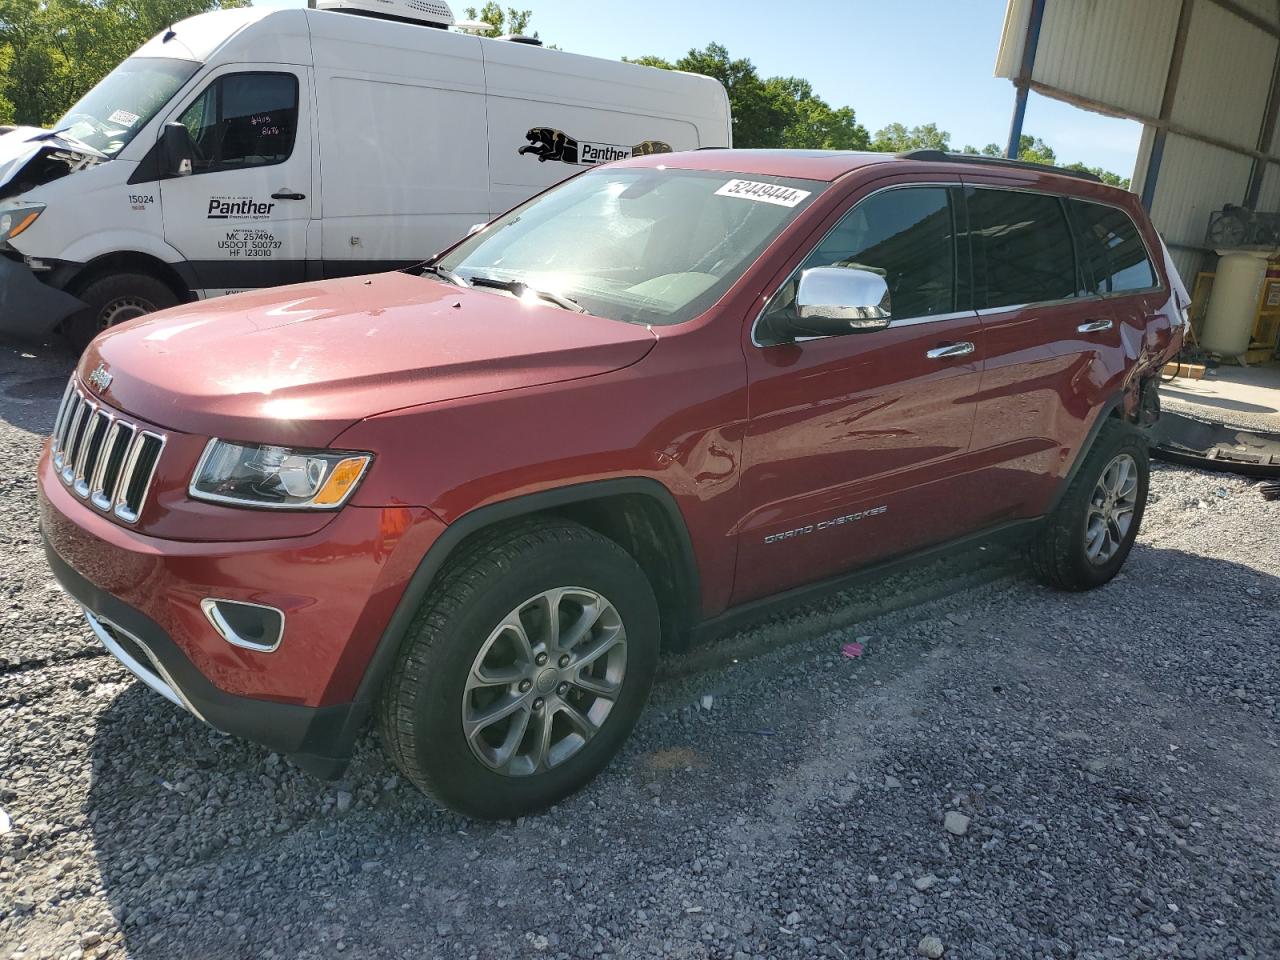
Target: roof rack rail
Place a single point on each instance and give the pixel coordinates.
(943, 155)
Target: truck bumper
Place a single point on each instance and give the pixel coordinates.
(29, 308)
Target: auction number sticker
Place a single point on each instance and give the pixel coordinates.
(763, 192)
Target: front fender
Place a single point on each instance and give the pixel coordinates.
(100, 243)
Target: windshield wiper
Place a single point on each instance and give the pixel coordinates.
(521, 289)
(440, 273)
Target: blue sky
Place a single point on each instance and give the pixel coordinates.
(913, 61)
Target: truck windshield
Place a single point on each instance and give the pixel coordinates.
(643, 245)
(124, 101)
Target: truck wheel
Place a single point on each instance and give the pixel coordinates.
(523, 671)
(1085, 541)
(114, 299)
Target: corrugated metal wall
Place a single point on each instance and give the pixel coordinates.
(1226, 74)
(1195, 179)
(1116, 53)
(1112, 51)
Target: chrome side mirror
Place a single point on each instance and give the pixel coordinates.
(837, 300)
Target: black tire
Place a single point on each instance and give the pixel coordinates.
(421, 709)
(116, 298)
(1059, 554)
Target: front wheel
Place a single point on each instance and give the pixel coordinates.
(524, 671)
(114, 299)
(1087, 538)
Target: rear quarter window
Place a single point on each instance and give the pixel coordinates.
(1113, 257)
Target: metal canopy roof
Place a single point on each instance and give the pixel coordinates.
(1202, 76)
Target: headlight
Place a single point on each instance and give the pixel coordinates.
(279, 477)
(16, 219)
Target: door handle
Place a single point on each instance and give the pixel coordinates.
(1094, 326)
(283, 194)
(959, 349)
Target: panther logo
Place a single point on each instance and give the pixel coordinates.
(646, 147)
(548, 144)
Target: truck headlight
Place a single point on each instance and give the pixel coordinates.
(17, 219)
(263, 475)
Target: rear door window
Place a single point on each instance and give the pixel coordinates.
(1022, 247)
(1113, 256)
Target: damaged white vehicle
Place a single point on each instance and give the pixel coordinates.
(251, 148)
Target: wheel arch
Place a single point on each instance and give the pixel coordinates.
(638, 513)
(127, 261)
(1112, 409)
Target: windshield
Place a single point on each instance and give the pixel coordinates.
(124, 101)
(643, 245)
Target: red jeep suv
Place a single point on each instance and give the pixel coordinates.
(474, 499)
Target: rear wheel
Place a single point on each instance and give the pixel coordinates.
(1086, 540)
(114, 299)
(524, 671)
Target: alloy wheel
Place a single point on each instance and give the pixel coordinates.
(544, 681)
(1111, 509)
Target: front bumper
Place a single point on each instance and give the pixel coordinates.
(29, 308)
(337, 589)
(319, 739)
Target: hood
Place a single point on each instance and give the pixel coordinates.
(300, 364)
(30, 157)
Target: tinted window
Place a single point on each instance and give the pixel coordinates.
(1111, 249)
(906, 235)
(243, 120)
(1022, 247)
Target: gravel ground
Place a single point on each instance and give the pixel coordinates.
(1004, 772)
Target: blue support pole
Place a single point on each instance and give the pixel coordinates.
(1154, 159)
(1153, 168)
(1024, 78)
(1015, 126)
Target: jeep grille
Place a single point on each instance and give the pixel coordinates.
(102, 458)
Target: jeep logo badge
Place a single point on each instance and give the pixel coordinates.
(100, 379)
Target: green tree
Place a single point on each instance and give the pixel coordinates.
(1030, 149)
(773, 112)
(500, 23)
(897, 137)
(812, 124)
(53, 51)
(1106, 176)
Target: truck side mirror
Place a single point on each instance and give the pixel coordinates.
(177, 150)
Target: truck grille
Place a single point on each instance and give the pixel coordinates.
(105, 460)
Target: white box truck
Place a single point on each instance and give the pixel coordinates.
(247, 148)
